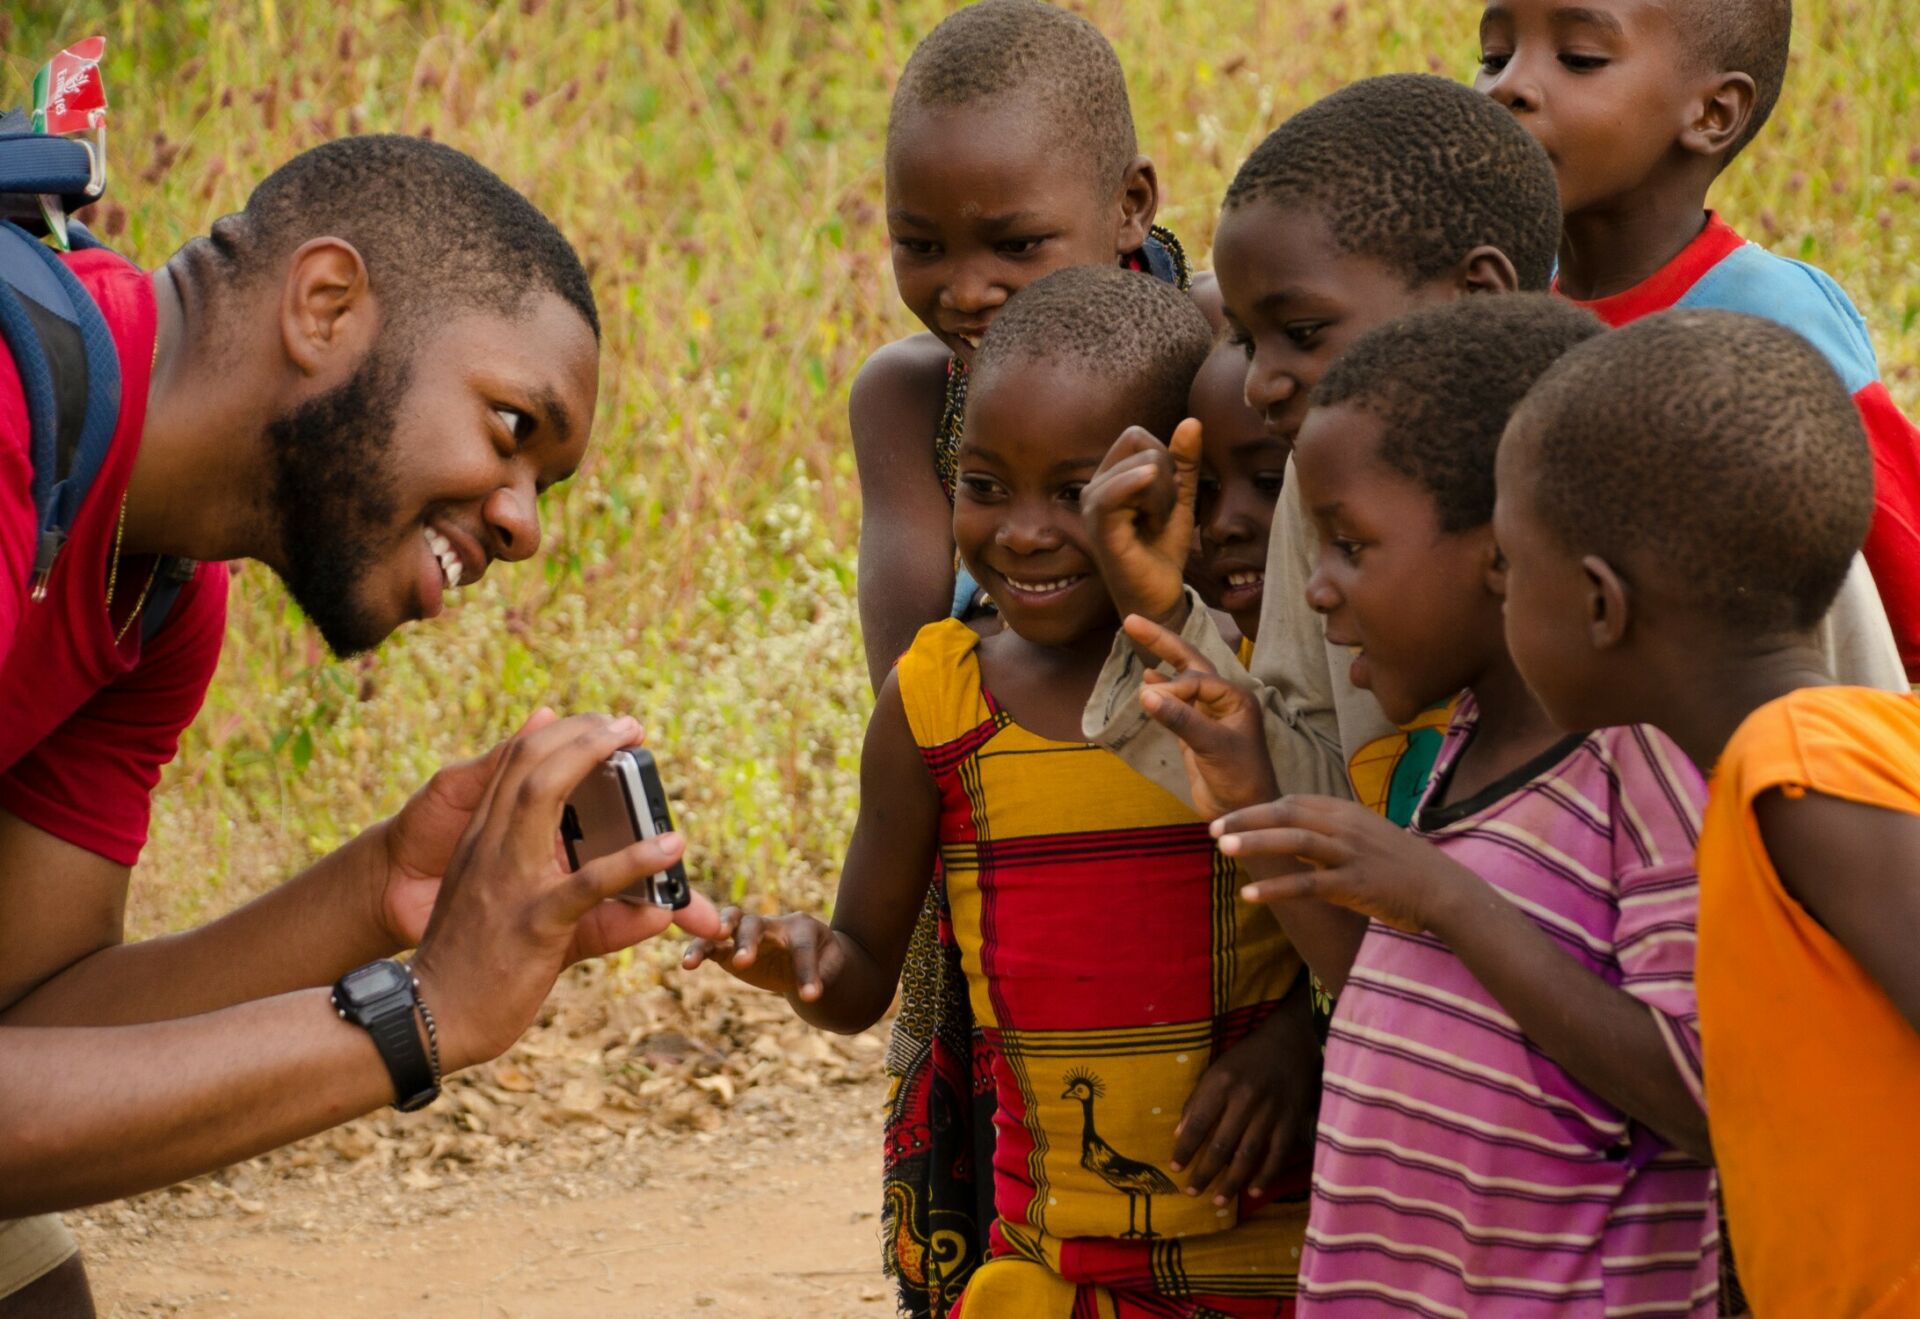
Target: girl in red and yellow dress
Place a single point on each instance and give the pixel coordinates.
(1150, 1046)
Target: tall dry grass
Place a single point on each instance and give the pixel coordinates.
(719, 166)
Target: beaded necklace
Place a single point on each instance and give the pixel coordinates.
(946, 436)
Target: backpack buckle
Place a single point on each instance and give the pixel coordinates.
(94, 139)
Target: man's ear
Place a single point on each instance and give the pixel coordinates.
(1487, 269)
(1722, 115)
(1139, 203)
(327, 316)
(1609, 603)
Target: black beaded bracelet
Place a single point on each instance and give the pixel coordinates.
(433, 1032)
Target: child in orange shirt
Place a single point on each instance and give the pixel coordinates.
(1678, 503)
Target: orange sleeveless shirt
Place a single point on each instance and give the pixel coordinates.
(1812, 1073)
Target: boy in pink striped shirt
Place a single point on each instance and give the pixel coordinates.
(1512, 1121)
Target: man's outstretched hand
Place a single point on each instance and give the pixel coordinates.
(1139, 508)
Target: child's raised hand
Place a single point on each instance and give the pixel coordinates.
(1221, 730)
(1139, 509)
(794, 955)
(1252, 1114)
(1361, 861)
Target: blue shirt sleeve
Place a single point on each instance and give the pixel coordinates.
(1798, 296)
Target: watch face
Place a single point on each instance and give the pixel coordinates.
(373, 980)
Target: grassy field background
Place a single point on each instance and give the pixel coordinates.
(719, 166)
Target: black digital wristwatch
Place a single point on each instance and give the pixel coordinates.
(380, 998)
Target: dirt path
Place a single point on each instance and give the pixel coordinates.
(759, 1199)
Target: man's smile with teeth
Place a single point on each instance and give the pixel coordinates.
(1239, 579)
(450, 565)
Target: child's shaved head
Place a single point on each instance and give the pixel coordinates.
(1413, 171)
(1446, 380)
(1004, 49)
(1714, 453)
(1740, 36)
(1142, 333)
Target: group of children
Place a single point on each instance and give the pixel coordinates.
(1491, 882)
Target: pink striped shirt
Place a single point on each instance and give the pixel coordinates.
(1460, 1171)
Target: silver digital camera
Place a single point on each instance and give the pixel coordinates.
(620, 803)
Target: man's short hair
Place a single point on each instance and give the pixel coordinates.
(1002, 50)
(1741, 36)
(1714, 452)
(1415, 172)
(1142, 333)
(437, 229)
(1444, 382)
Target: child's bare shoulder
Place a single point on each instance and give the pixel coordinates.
(900, 390)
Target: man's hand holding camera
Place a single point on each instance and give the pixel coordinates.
(509, 915)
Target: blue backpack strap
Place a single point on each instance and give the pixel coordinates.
(36, 164)
(64, 354)
(67, 363)
(69, 372)
(170, 575)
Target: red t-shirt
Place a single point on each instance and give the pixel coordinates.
(87, 725)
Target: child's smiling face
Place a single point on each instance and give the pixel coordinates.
(1242, 468)
(1035, 433)
(1415, 603)
(1604, 85)
(1294, 300)
(980, 204)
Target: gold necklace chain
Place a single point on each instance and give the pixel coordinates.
(113, 576)
(120, 531)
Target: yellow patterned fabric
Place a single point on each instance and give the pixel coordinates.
(1109, 960)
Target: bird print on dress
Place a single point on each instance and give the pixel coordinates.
(1136, 1179)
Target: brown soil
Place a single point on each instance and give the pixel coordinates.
(646, 1150)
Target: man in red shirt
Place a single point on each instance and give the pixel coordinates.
(363, 380)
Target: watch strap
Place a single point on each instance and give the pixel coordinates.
(390, 1021)
(398, 1039)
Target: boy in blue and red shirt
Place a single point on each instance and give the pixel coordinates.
(1640, 108)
